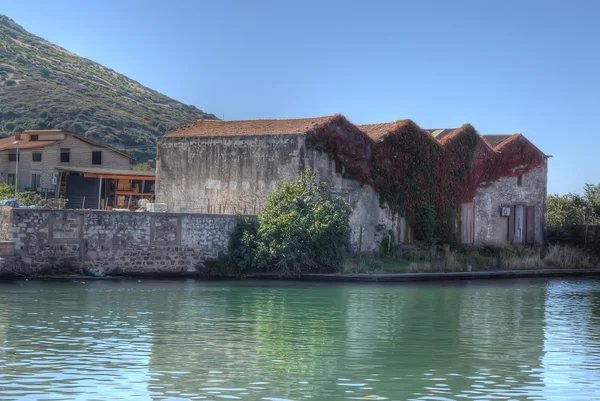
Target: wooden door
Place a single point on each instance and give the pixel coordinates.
(467, 223)
(519, 235)
(530, 225)
(511, 224)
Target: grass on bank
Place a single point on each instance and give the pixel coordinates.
(413, 259)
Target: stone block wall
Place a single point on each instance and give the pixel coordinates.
(5, 223)
(104, 242)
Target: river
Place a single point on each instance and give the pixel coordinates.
(178, 340)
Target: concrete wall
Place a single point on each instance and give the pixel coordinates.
(103, 242)
(232, 174)
(490, 227)
(237, 174)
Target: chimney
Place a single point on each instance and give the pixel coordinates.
(18, 136)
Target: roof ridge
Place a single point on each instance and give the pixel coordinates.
(264, 119)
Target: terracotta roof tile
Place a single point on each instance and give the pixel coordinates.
(7, 144)
(377, 131)
(248, 127)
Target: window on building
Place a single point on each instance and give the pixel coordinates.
(10, 179)
(36, 157)
(520, 180)
(65, 155)
(97, 157)
(36, 180)
(34, 137)
(12, 157)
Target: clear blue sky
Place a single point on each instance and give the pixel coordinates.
(504, 66)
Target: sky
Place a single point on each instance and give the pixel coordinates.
(504, 66)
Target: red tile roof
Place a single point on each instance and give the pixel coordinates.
(7, 143)
(377, 131)
(207, 128)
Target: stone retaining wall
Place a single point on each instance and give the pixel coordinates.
(104, 242)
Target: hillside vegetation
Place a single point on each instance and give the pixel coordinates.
(43, 86)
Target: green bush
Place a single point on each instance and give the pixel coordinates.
(28, 198)
(303, 229)
(10, 82)
(240, 252)
(7, 191)
(25, 198)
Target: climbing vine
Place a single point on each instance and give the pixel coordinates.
(421, 178)
(349, 147)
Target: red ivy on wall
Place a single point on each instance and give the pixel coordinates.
(409, 168)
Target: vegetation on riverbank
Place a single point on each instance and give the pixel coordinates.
(302, 229)
(430, 259)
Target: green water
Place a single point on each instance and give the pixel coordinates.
(176, 340)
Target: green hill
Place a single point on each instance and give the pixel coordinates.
(43, 86)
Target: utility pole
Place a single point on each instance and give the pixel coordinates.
(17, 168)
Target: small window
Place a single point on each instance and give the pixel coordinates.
(10, 179)
(65, 155)
(36, 179)
(12, 157)
(520, 180)
(97, 157)
(36, 157)
(34, 137)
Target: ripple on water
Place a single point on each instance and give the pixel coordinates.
(115, 340)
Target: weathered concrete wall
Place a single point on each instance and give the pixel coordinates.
(237, 174)
(233, 174)
(490, 227)
(105, 242)
(370, 222)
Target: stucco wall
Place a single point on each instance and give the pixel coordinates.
(105, 242)
(232, 174)
(490, 227)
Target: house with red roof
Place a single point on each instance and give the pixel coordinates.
(58, 163)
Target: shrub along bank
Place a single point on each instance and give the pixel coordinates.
(431, 259)
(302, 229)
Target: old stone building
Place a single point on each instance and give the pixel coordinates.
(227, 167)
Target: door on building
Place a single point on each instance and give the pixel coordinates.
(518, 235)
(530, 225)
(467, 223)
(521, 225)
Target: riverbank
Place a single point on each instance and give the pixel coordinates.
(339, 277)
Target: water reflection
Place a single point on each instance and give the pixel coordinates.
(187, 340)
